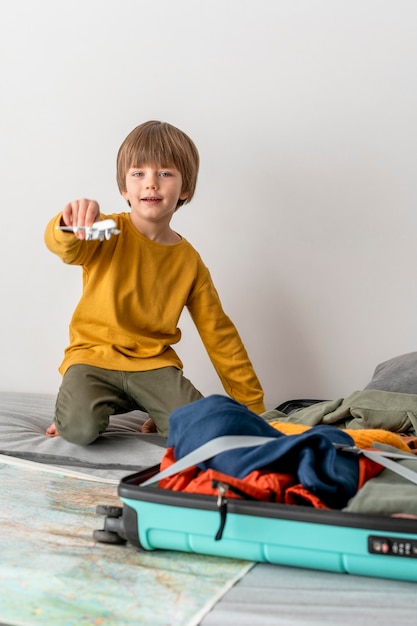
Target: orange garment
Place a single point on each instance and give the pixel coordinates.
(263, 484)
(363, 438)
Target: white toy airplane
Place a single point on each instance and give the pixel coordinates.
(101, 230)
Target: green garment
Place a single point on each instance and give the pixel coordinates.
(371, 408)
(385, 494)
(388, 493)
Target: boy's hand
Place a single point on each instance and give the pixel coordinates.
(80, 213)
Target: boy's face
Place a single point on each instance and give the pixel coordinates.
(153, 191)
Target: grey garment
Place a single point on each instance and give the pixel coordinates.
(89, 395)
(398, 374)
(387, 493)
(370, 408)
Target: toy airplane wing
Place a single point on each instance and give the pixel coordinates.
(101, 230)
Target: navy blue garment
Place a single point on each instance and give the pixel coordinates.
(310, 456)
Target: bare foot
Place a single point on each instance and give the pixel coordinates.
(51, 431)
(149, 426)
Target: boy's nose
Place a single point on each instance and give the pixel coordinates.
(152, 182)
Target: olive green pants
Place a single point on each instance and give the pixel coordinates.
(89, 395)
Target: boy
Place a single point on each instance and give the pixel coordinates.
(135, 286)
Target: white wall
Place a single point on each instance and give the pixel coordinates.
(304, 112)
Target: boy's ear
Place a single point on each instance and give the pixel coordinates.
(183, 195)
(126, 197)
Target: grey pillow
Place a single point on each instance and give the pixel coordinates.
(398, 375)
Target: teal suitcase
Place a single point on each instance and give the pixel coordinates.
(151, 518)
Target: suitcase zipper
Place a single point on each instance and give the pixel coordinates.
(222, 501)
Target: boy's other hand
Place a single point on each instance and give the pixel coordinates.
(82, 212)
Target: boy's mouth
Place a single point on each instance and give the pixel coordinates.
(150, 199)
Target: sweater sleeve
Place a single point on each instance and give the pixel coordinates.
(68, 248)
(224, 346)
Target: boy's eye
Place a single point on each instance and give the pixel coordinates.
(162, 174)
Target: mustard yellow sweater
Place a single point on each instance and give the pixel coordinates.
(134, 291)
